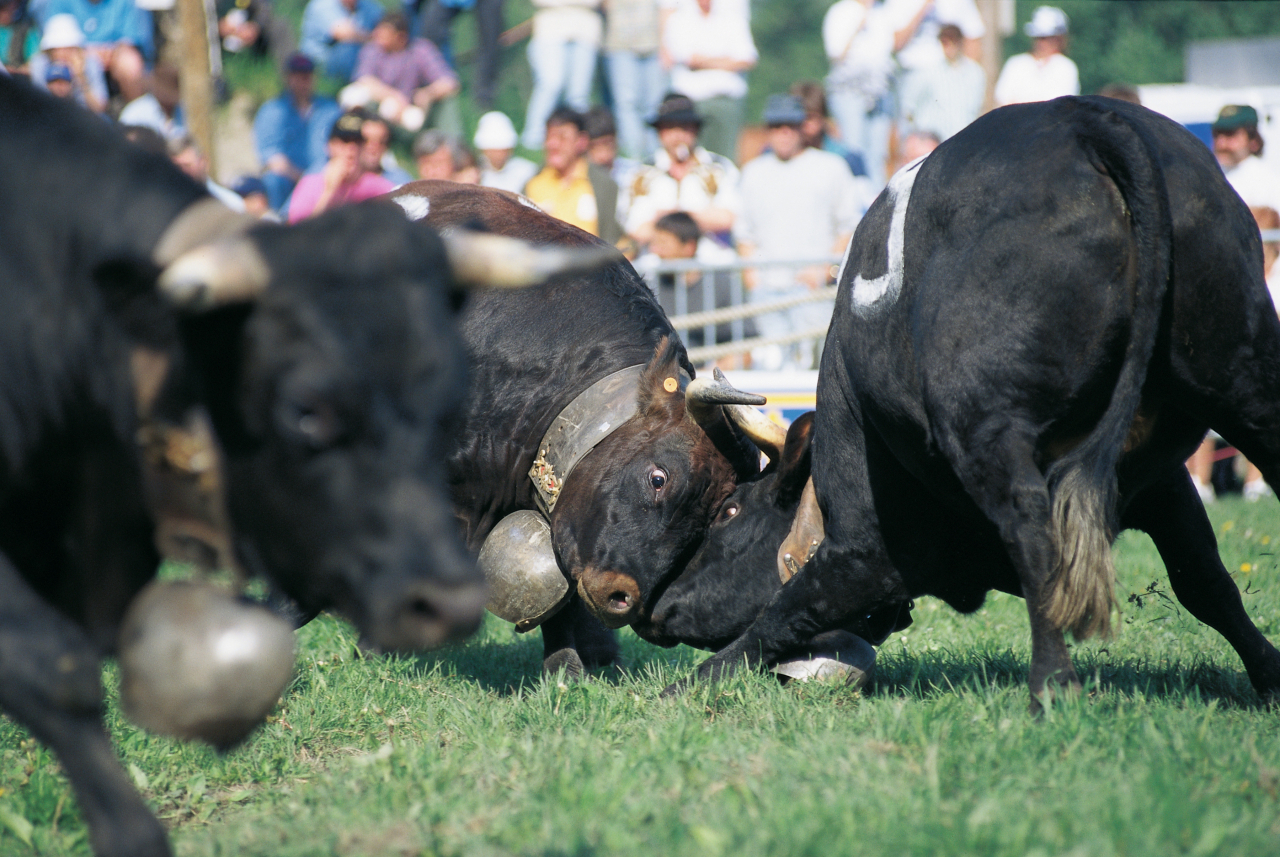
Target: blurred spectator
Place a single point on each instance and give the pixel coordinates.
(63, 44)
(684, 177)
(1237, 146)
(19, 35)
(858, 38)
(343, 179)
(160, 108)
(290, 131)
(59, 80)
(254, 26)
(466, 168)
(1044, 73)
(637, 79)
(436, 154)
(571, 188)
(711, 50)
(916, 24)
(147, 139)
(333, 31)
(500, 167)
(916, 144)
(436, 23)
(253, 191)
(602, 147)
(797, 202)
(676, 237)
(1269, 220)
(945, 97)
(405, 79)
(376, 155)
(1121, 92)
(813, 131)
(562, 56)
(184, 152)
(118, 33)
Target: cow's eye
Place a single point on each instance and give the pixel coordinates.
(658, 478)
(730, 510)
(316, 423)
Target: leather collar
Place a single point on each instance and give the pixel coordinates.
(596, 413)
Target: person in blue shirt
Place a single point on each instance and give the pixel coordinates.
(118, 33)
(333, 31)
(291, 131)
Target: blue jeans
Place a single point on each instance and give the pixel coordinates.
(559, 68)
(865, 131)
(637, 82)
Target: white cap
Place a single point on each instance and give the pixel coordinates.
(495, 131)
(1047, 21)
(62, 31)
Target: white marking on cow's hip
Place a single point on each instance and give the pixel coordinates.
(415, 207)
(889, 284)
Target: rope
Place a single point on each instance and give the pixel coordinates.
(702, 319)
(715, 352)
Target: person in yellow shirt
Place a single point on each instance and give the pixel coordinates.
(570, 188)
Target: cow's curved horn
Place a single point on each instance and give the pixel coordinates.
(227, 271)
(202, 222)
(481, 259)
(759, 429)
(702, 396)
(807, 532)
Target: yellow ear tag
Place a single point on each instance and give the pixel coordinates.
(670, 385)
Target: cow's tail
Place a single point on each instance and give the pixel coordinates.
(1083, 483)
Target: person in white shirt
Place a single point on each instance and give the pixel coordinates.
(496, 140)
(1237, 145)
(797, 203)
(710, 50)
(945, 98)
(1044, 73)
(858, 38)
(562, 56)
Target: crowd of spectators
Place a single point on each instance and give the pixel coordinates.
(669, 146)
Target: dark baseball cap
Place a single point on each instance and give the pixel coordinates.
(784, 110)
(676, 109)
(349, 128)
(57, 71)
(1236, 116)
(299, 63)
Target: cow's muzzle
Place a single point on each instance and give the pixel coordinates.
(613, 597)
(423, 615)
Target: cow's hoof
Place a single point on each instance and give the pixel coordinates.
(837, 657)
(566, 660)
(677, 689)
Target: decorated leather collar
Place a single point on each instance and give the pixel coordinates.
(596, 413)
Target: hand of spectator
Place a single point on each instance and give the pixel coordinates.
(280, 164)
(347, 31)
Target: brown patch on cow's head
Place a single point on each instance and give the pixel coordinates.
(635, 509)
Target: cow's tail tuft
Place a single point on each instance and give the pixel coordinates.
(1083, 482)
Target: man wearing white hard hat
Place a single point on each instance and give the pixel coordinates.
(1044, 73)
(496, 140)
(63, 43)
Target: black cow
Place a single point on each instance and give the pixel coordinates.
(324, 358)
(633, 510)
(1035, 327)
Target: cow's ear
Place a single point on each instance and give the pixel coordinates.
(661, 388)
(795, 464)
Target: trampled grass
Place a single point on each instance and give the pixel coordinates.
(470, 752)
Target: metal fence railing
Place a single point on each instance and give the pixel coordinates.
(720, 286)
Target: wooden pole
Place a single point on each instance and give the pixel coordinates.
(197, 80)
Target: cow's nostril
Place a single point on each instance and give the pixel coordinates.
(620, 601)
(422, 609)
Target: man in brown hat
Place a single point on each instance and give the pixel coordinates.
(1237, 146)
(683, 177)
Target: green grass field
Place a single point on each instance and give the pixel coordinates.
(470, 752)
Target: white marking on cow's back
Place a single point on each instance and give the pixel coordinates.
(889, 284)
(415, 207)
(528, 203)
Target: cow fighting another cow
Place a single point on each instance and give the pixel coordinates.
(155, 353)
(1035, 326)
